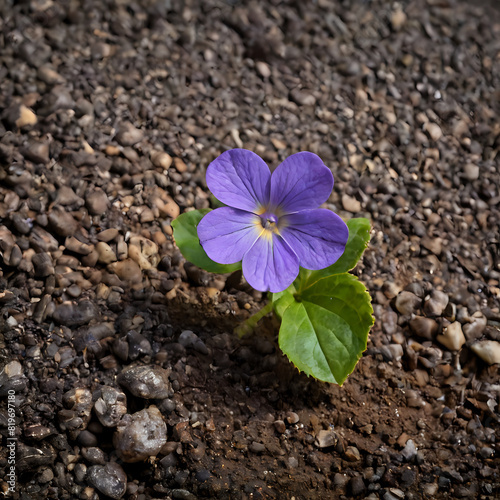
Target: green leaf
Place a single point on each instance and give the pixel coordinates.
(325, 331)
(186, 238)
(359, 236)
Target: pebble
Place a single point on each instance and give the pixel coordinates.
(77, 246)
(280, 426)
(475, 328)
(71, 314)
(94, 455)
(407, 302)
(43, 265)
(409, 452)
(108, 235)
(97, 201)
(453, 337)
(302, 98)
(37, 152)
(127, 270)
(110, 405)
(487, 350)
(423, 327)
(148, 382)
(105, 253)
(435, 303)
(189, 339)
(256, 447)
(128, 135)
(109, 479)
(140, 436)
(62, 222)
(26, 117)
(434, 130)
(138, 345)
(351, 204)
(144, 252)
(325, 439)
(398, 19)
(357, 486)
(12, 378)
(161, 159)
(263, 69)
(352, 454)
(471, 171)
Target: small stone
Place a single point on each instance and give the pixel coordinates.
(161, 159)
(302, 98)
(12, 378)
(263, 69)
(140, 436)
(127, 270)
(128, 135)
(189, 339)
(62, 222)
(487, 350)
(471, 171)
(325, 439)
(257, 447)
(94, 455)
(26, 117)
(43, 265)
(179, 165)
(144, 252)
(110, 405)
(71, 314)
(75, 245)
(409, 452)
(97, 201)
(452, 337)
(280, 426)
(425, 328)
(105, 253)
(67, 197)
(148, 382)
(37, 152)
(357, 486)
(398, 19)
(434, 131)
(351, 204)
(138, 345)
(109, 479)
(475, 328)
(352, 454)
(435, 304)
(292, 417)
(108, 235)
(434, 244)
(407, 303)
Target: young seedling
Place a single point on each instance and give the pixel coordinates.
(272, 229)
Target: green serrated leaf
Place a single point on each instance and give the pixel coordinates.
(186, 238)
(325, 334)
(359, 236)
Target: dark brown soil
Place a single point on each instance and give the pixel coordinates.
(110, 112)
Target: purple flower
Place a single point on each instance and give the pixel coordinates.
(272, 222)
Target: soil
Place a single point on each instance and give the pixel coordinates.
(110, 112)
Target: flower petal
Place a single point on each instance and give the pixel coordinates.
(318, 237)
(239, 179)
(227, 233)
(301, 182)
(270, 264)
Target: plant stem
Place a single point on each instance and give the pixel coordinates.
(250, 324)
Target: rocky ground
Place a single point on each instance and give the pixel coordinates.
(118, 357)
